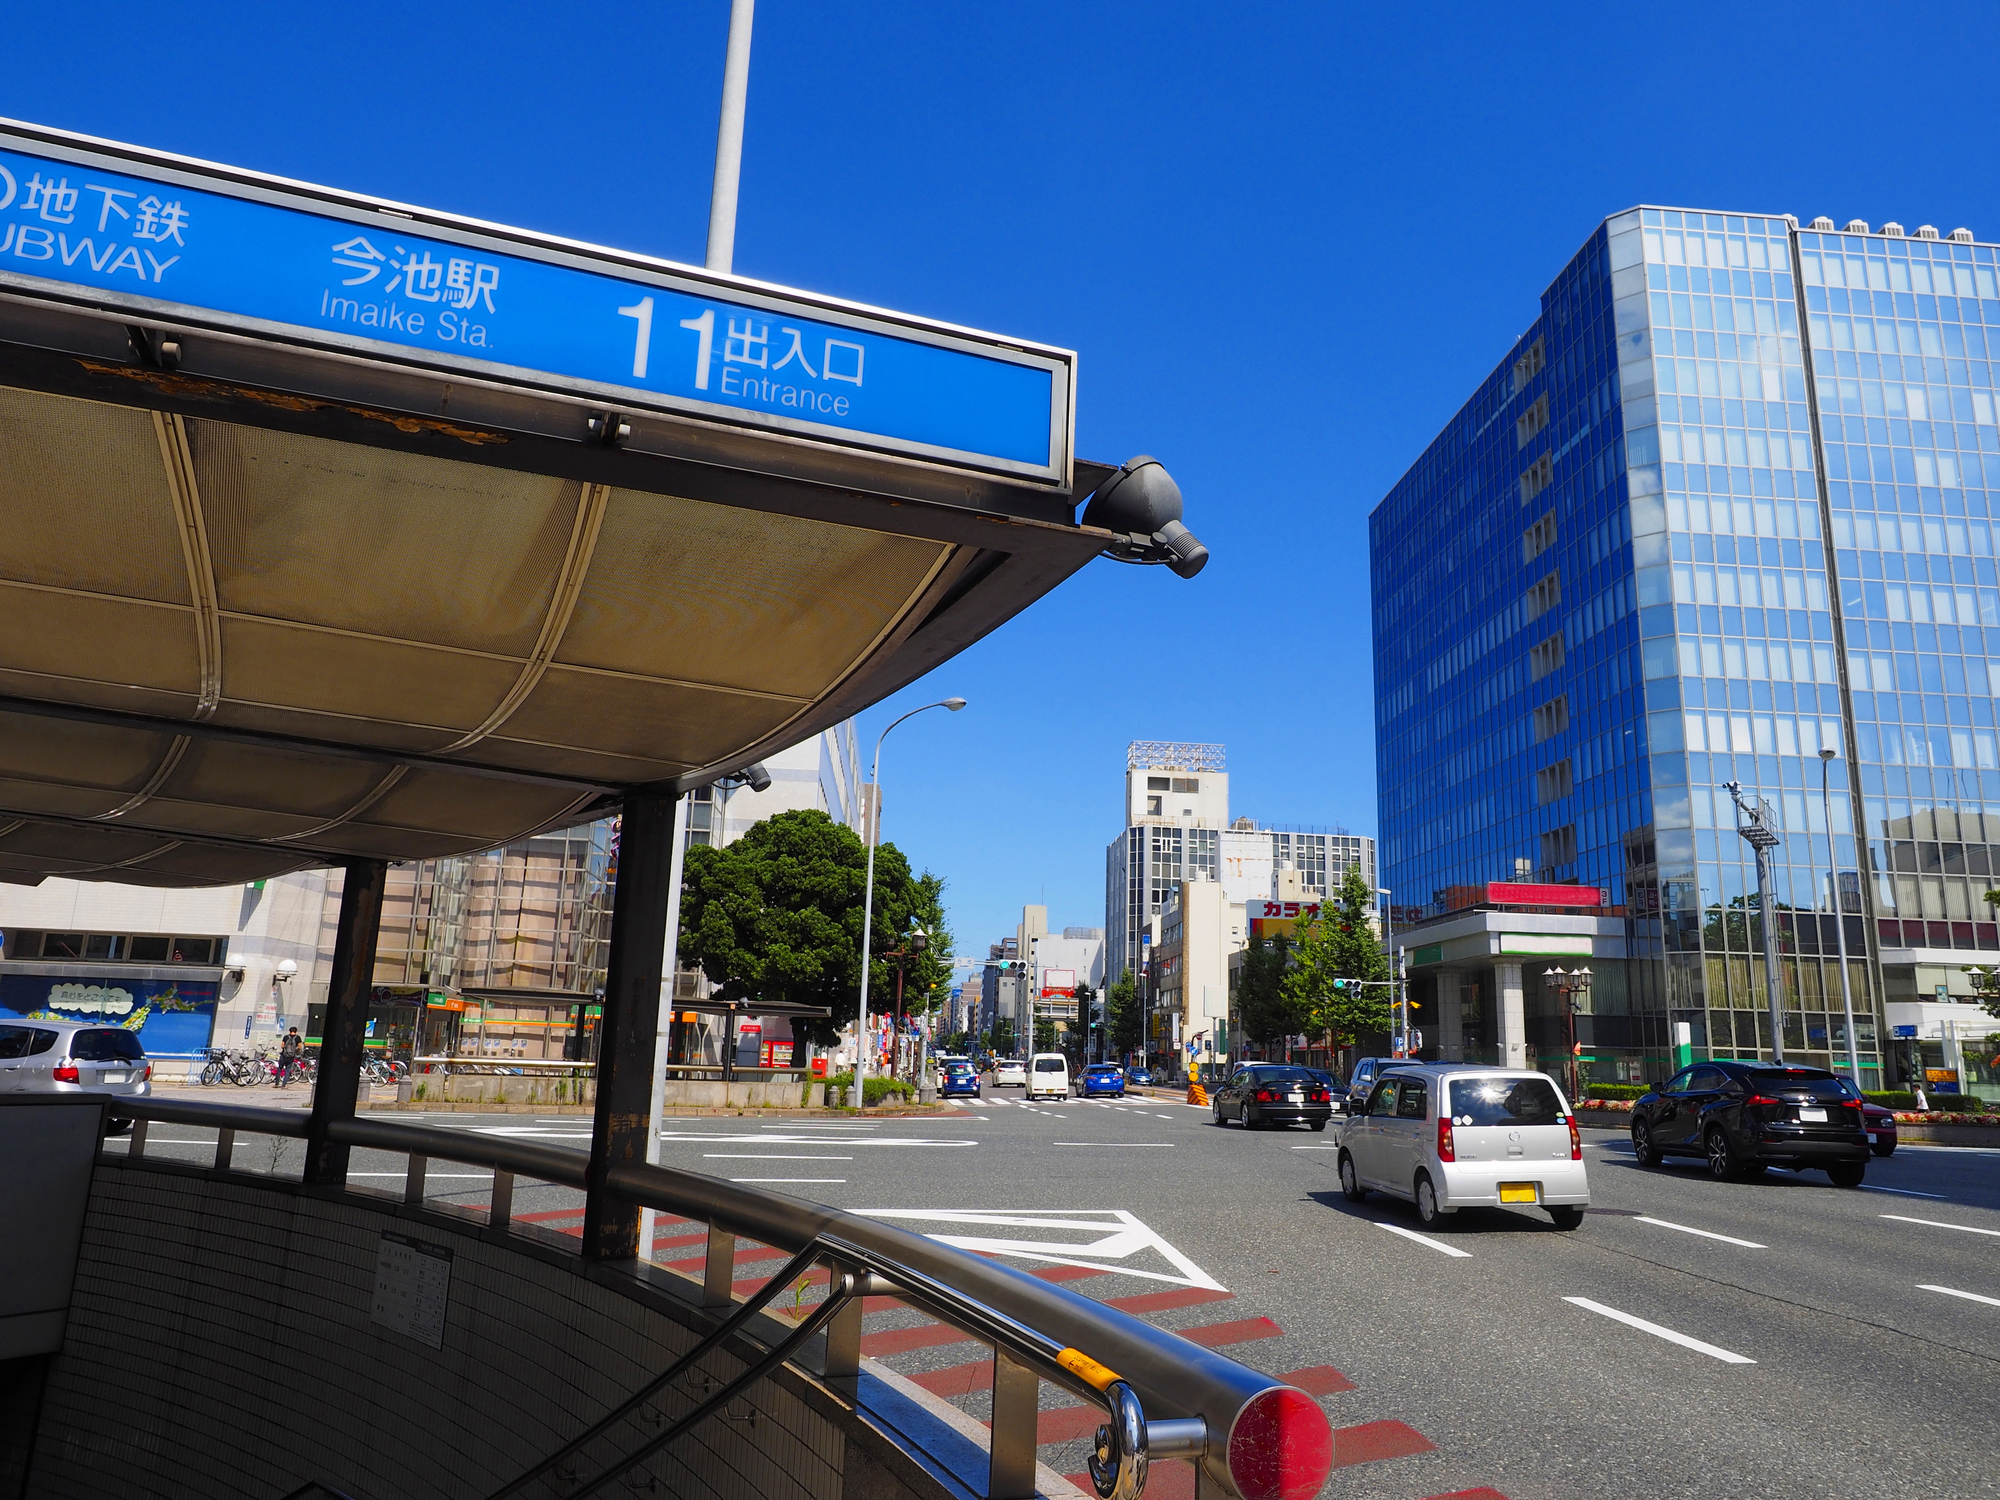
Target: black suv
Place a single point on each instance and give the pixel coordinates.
(1742, 1117)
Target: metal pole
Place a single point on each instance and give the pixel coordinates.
(629, 1030)
(729, 139)
(663, 1031)
(343, 1034)
(1839, 917)
(1758, 835)
(874, 838)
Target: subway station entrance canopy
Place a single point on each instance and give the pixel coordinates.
(338, 529)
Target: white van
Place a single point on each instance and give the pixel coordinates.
(1450, 1135)
(1048, 1076)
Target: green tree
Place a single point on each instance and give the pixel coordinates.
(1045, 1034)
(777, 916)
(1003, 1036)
(1338, 943)
(1086, 1002)
(1121, 1009)
(1263, 1005)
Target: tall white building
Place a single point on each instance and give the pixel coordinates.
(1178, 829)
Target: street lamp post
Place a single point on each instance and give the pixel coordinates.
(1572, 985)
(1839, 916)
(1398, 996)
(868, 901)
(1754, 827)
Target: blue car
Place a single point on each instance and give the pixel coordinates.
(1140, 1076)
(959, 1078)
(1103, 1078)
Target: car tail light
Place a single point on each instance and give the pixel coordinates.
(1762, 1099)
(67, 1073)
(146, 1074)
(1445, 1150)
(1575, 1141)
(1320, 1096)
(1266, 1096)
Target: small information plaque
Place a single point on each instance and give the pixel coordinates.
(412, 1288)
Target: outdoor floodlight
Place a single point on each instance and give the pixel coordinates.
(954, 704)
(1142, 504)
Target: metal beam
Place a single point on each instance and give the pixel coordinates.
(626, 1034)
(341, 1038)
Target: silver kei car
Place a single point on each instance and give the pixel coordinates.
(1452, 1135)
(72, 1057)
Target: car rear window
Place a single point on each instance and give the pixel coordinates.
(1820, 1085)
(14, 1040)
(1283, 1074)
(106, 1046)
(1505, 1101)
(1049, 1065)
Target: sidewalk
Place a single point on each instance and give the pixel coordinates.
(299, 1096)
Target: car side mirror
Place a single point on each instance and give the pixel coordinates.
(1656, 1088)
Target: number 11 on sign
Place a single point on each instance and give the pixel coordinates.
(642, 346)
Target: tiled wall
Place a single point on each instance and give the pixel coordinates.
(220, 1346)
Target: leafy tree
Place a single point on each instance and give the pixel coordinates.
(1003, 1036)
(1338, 943)
(777, 916)
(1045, 1034)
(1121, 1007)
(1086, 1003)
(1263, 1006)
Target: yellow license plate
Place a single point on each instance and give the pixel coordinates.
(1517, 1192)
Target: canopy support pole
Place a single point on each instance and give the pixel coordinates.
(343, 1036)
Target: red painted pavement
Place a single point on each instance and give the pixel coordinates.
(1318, 1380)
(901, 1340)
(958, 1380)
(1484, 1492)
(1373, 1441)
(1242, 1331)
(1149, 1302)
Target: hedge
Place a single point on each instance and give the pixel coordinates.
(874, 1091)
(1615, 1091)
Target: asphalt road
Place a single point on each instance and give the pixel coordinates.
(1804, 1340)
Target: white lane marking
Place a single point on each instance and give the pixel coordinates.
(156, 1140)
(1166, 1117)
(982, 1117)
(1111, 1143)
(433, 1176)
(788, 1179)
(1315, 1148)
(1711, 1350)
(1940, 1224)
(1952, 1291)
(764, 1156)
(1904, 1192)
(1423, 1239)
(1707, 1234)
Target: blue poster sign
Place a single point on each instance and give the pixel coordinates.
(170, 1015)
(161, 242)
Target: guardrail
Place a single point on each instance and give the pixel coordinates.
(1254, 1436)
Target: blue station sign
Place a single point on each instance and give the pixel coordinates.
(162, 239)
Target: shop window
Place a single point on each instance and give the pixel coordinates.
(62, 945)
(148, 950)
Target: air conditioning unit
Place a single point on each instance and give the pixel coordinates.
(1856, 226)
(1927, 231)
(1962, 236)
(1893, 230)
(1822, 223)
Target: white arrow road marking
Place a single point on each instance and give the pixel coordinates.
(1122, 1237)
(1712, 1351)
(1869, 1187)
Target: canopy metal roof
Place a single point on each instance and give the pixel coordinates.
(272, 601)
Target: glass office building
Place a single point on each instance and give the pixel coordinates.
(1723, 506)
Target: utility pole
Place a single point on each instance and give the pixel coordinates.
(1753, 824)
(729, 139)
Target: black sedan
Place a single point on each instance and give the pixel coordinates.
(1742, 1117)
(1272, 1094)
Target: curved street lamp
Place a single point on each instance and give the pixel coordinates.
(868, 901)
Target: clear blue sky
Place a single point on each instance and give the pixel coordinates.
(1286, 241)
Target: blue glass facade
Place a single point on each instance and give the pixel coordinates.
(1723, 506)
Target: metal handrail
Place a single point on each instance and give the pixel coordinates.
(1094, 1351)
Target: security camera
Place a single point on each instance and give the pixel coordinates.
(1142, 504)
(757, 777)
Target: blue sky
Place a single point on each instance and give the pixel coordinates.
(1286, 241)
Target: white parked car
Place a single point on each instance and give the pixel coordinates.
(1449, 1136)
(1048, 1076)
(1010, 1070)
